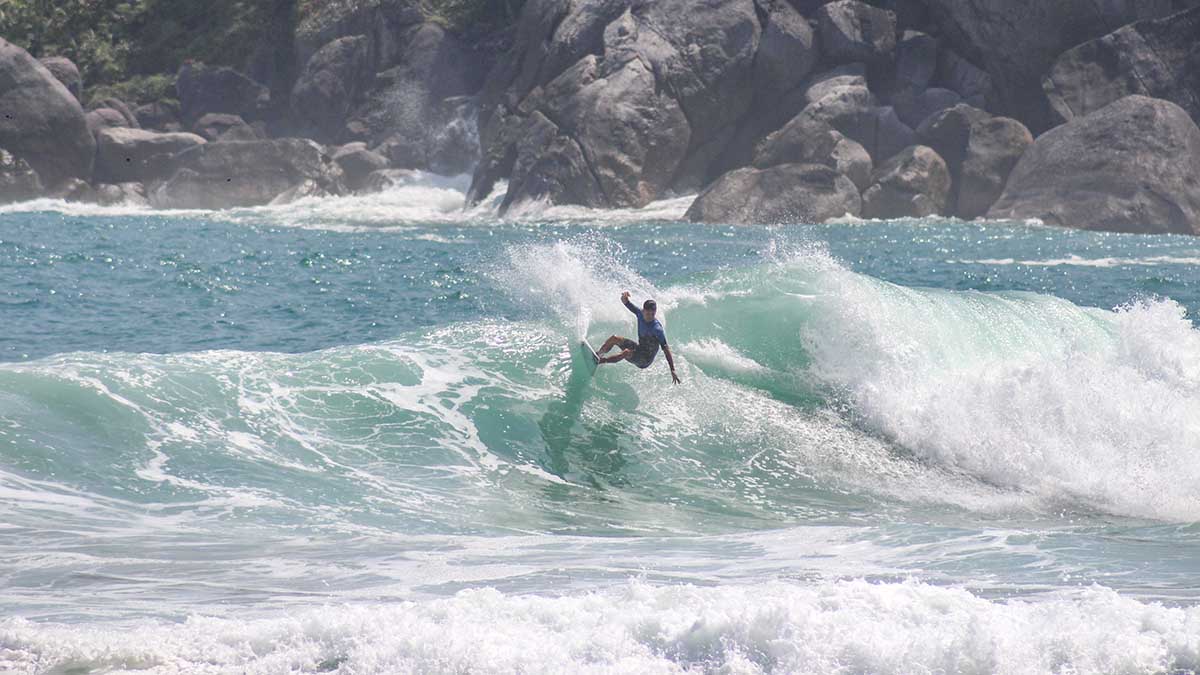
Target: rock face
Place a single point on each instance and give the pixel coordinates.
(805, 141)
(788, 193)
(121, 107)
(915, 183)
(1132, 166)
(915, 109)
(40, 121)
(126, 155)
(855, 31)
(357, 163)
(159, 116)
(204, 89)
(1158, 58)
(612, 102)
(418, 106)
(332, 83)
(18, 181)
(1017, 45)
(224, 175)
(980, 150)
(65, 71)
(222, 127)
(104, 118)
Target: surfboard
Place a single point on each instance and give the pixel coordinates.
(590, 359)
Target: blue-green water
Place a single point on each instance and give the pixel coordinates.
(349, 436)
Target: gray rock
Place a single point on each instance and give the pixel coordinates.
(1132, 166)
(967, 80)
(686, 70)
(332, 84)
(104, 118)
(916, 62)
(890, 135)
(851, 77)
(807, 141)
(385, 23)
(65, 71)
(1016, 45)
(788, 193)
(129, 194)
(787, 52)
(1158, 58)
(224, 127)
(358, 163)
(980, 150)
(913, 184)
(386, 179)
(159, 116)
(40, 121)
(855, 31)
(113, 103)
(250, 173)
(18, 181)
(207, 89)
(135, 155)
(74, 190)
(913, 110)
(421, 103)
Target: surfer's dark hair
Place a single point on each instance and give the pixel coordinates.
(651, 305)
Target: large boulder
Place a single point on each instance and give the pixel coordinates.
(40, 121)
(788, 193)
(855, 31)
(104, 118)
(966, 79)
(208, 89)
(126, 155)
(18, 181)
(1017, 45)
(913, 184)
(159, 116)
(682, 73)
(224, 127)
(65, 71)
(113, 103)
(250, 173)
(916, 62)
(980, 150)
(357, 163)
(1132, 166)
(806, 141)
(913, 109)
(332, 83)
(1158, 58)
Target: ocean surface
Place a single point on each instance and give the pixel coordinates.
(353, 436)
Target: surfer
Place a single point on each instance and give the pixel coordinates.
(650, 337)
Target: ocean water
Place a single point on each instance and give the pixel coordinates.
(351, 436)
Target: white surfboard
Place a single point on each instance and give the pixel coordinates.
(590, 359)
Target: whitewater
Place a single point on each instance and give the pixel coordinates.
(351, 435)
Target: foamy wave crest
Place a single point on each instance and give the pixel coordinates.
(1025, 391)
(830, 628)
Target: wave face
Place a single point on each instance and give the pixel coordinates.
(313, 438)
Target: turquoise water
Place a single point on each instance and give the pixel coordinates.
(349, 436)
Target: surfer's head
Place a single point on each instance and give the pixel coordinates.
(649, 309)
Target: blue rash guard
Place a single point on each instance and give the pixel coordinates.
(650, 337)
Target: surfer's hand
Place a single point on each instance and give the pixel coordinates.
(625, 296)
(674, 377)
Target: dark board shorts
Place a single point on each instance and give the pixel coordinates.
(643, 353)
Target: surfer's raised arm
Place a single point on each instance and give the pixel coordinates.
(629, 305)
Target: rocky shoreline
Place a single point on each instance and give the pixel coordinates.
(1079, 114)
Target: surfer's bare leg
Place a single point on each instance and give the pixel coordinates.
(609, 344)
(625, 353)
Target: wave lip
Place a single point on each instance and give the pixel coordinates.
(824, 628)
